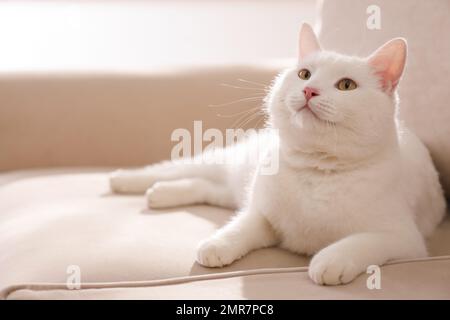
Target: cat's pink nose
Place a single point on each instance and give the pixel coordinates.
(310, 92)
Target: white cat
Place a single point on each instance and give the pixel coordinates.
(354, 186)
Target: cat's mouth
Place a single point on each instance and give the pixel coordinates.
(307, 108)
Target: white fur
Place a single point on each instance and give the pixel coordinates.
(354, 187)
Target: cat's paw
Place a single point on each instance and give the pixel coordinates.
(165, 194)
(117, 181)
(333, 267)
(216, 252)
(127, 182)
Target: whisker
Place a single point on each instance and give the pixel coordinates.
(326, 107)
(326, 104)
(243, 88)
(236, 101)
(247, 118)
(326, 110)
(254, 82)
(243, 117)
(237, 113)
(250, 119)
(263, 119)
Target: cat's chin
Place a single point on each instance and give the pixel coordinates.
(311, 112)
(306, 118)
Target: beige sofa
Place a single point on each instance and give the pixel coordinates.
(59, 137)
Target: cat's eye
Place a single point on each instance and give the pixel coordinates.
(304, 74)
(346, 84)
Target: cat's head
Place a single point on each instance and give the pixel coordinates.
(335, 103)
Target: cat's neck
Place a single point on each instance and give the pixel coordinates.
(332, 161)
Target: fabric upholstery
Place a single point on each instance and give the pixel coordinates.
(51, 219)
(423, 279)
(50, 120)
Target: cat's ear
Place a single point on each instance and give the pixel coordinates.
(389, 61)
(308, 42)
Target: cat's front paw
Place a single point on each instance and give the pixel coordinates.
(330, 266)
(216, 252)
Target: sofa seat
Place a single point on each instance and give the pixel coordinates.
(53, 219)
(417, 279)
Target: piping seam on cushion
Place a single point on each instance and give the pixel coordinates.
(137, 284)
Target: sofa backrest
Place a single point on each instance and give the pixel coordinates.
(117, 119)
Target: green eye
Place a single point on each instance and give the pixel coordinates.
(304, 74)
(346, 84)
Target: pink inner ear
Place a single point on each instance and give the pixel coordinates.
(308, 42)
(389, 62)
(387, 83)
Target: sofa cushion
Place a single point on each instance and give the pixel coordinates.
(410, 279)
(53, 220)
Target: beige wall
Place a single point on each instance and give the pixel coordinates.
(137, 36)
